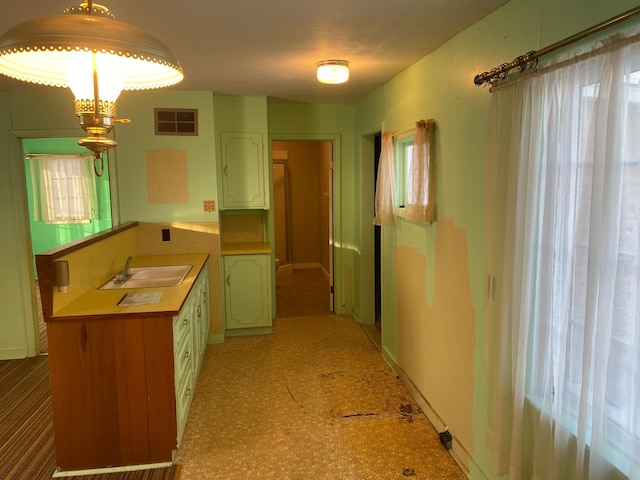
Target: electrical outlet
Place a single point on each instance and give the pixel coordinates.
(209, 205)
(446, 439)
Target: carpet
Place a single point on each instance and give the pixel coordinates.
(26, 437)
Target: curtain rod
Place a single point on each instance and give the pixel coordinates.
(525, 61)
(402, 132)
(81, 154)
(36, 155)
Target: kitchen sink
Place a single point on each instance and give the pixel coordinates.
(147, 277)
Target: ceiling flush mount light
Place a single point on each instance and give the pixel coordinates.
(333, 71)
(96, 56)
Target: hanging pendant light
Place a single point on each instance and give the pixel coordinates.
(96, 56)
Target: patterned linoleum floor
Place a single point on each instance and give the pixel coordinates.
(304, 292)
(313, 400)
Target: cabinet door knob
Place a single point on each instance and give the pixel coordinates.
(228, 279)
(186, 354)
(188, 391)
(226, 170)
(186, 322)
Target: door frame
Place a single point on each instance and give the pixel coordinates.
(367, 201)
(31, 320)
(340, 304)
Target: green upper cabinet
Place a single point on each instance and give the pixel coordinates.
(242, 171)
(242, 152)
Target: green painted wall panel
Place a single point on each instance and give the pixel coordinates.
(135, 138)
(18, 319)
(45, 236)
(328, 122)
(440, 86)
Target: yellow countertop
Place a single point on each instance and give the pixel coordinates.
(96, 302)
(244, 248)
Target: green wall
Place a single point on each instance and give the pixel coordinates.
(135, 138)
(45, 236)
(335, 123)
(433, 300)
(433, 275)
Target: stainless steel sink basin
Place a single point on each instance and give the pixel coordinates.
(146, 277)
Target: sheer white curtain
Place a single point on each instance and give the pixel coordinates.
(564, 351)
(64, 188)
(385, 200)
(419, 206)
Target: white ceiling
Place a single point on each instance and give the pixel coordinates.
(271, 47)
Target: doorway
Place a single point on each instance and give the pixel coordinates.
(303, 204)
(377, 240)
(47, 235)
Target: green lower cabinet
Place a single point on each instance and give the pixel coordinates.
(247, 291)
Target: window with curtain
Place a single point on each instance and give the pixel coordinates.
(419, 205)
(64, 188)
(564, 350)
(404, 154)
(385, 199)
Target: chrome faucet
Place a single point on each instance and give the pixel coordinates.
(125, 274)
(127, 269)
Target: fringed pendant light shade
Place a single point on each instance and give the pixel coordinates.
(96, 56)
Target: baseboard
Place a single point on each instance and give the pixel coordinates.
(301, 266)
(284, 270)
(215, 338)
(237, 332)
(98, 471)
(13, 353)
(325, 273)
(356, 314)
(458, 452)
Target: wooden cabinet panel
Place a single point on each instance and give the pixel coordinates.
(72, 395)
(161, 396)
(107, 409)
(118, 386)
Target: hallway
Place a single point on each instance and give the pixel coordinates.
(301, 293)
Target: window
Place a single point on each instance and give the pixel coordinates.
(64, 188)
(569, 323)
(404, 152)
(176, 121)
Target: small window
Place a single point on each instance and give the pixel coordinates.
(176, 121)
(404, 150)
(64, 188)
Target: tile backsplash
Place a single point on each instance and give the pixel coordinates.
(242, 228)
(188, 237)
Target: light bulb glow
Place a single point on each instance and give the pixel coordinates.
(95, 55)
(333, 71)
(80, 75)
